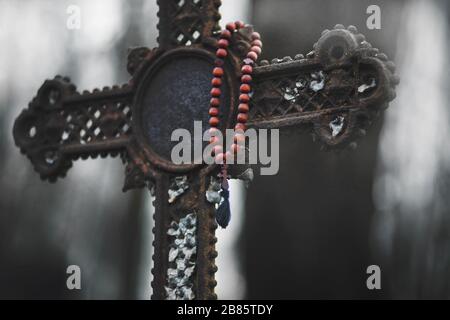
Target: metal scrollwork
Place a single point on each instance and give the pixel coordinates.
(62, 125)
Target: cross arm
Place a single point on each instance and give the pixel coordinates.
(61, 125)
(336, 91)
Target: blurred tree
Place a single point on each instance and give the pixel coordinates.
(86, 219)
(309, 238)
(411, 226)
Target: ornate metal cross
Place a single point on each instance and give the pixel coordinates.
(334, 92)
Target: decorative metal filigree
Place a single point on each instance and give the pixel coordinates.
(182, 257)
(62, 125)
(213, 193)
(178, 186)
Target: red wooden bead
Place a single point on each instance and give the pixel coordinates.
(247, 69)
(221, 53)
(243, 107)
(252, 55)
(244, 98)
(256, 49)
(219, 159)
(214, 140)
(223, 43)
(245, 88)
(234, 148)
(218, 72)
(216, 92)
(213, 112)
(225, 34)
(215, 102)
(217, 149)
(239, 24)
(242, 117)
(213, 131)
(246, 78)
(256, 36)
(216, 82)
(239, 138)
(228, 157)
(257, 43)
(213, 121)
(231, 26)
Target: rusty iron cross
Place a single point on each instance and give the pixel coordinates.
(334, 92)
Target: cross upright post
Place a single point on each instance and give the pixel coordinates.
(335, 92)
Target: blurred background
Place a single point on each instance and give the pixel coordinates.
(309, 232)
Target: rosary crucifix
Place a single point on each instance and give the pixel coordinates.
(334, 92)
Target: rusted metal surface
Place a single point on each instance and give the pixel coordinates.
(336, 91)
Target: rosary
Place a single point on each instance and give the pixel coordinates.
(223, 214)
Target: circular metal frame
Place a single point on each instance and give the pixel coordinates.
(138, 107)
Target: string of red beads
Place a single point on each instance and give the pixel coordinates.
(245, 89)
